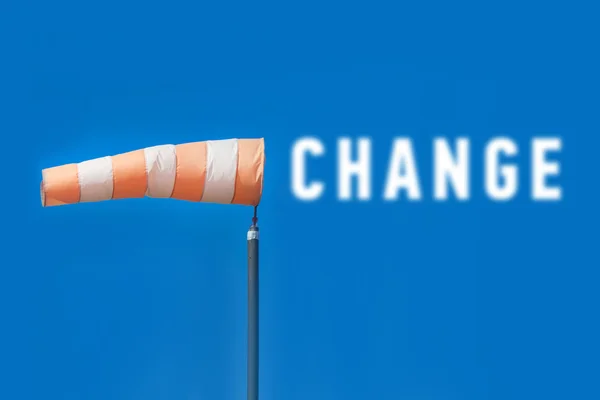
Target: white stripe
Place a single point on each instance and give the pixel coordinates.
(221, 168)
(161, 167)
(95, 179)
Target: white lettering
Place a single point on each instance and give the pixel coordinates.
(300, 188)
(347, 169)
(508, 172)
(402, 159)
(446, 167)
(541, 168)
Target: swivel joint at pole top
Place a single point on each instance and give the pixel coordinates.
(255, 218)
(253, 230)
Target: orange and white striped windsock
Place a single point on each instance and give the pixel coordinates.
(218, 171)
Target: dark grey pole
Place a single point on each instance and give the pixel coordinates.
(252, 238)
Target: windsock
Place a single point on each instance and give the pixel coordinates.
(218, 171)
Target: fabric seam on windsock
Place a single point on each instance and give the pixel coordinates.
(227, 171)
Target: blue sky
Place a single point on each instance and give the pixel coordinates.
(145, 299)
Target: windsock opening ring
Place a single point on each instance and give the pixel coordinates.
(217, 171)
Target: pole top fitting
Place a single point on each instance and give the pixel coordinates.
(255, 218)
(253, 231)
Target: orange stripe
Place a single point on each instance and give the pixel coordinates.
(129, 175)
(249, 176)
(60, 185)
(191, 171)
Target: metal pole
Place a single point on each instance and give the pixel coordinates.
(252, 238)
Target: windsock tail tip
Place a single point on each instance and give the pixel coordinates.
(42, 195)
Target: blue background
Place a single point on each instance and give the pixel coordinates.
(146, 299)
